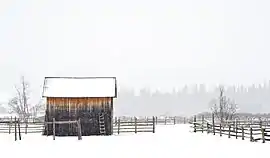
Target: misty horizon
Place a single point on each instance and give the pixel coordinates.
(188, 100)
(164, 46)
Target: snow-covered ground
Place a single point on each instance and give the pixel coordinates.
(173, 141)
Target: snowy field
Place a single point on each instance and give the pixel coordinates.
(171, 141)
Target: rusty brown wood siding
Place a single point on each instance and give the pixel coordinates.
(77, 102)
(87, 109)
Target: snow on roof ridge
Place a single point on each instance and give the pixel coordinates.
(79, 77)
(63, 87)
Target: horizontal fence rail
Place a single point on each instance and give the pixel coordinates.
(17, 127)
(255, 130)
(13, 125)
(172, 120)
(135, 125)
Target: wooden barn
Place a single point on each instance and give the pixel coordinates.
(88, 99)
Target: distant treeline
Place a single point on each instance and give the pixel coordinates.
(189, 100)
(242, 116)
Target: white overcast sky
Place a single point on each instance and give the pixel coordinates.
(151, 43)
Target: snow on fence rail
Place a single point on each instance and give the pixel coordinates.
(25, 127)
(144, 124)
(171, 120)
(134, 125)
(77, 122)
(121, 125)
(239, 129)
(168, 120)
(17, 127)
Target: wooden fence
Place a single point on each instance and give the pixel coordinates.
(134, 125)
(18, 127)
(25, 127)
(120, 125)
(169, 120)
(77, 122)
(256, 130)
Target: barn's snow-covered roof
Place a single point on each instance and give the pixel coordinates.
(79, 87)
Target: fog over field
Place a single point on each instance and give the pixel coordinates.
(155, 45)
(183, 102)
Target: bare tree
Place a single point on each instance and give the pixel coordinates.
(20, 105)
(224, 108)
(38, 108)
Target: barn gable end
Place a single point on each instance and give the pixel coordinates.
(87, 98)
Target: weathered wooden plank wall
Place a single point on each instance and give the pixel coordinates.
(87, 109)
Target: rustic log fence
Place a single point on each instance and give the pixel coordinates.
(168, 120)
(171, 120)
(135, 125)
(121, 125)
(30, 120)
(17, 127)
(77, 122)
(8, 126)
(254, 131)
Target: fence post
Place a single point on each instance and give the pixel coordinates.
(53, 128)
(135, 119)
(47, 128)
(243, 133)
(118, 129)
(202, 122)
(154, 126)
(165, 121)
(194, 122)
(229, 131)
(184, 120)
(207, 126)
(236, 129)
(10, 124)
(115, 121)
(156, 120)
(15, 126)
(79, 129)
(220, 130)
(202, 127)
(202, 118)
(174, 120)
(263, 135)
(26, 126)
(19, 128)
(213, 122)
(251, 133)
